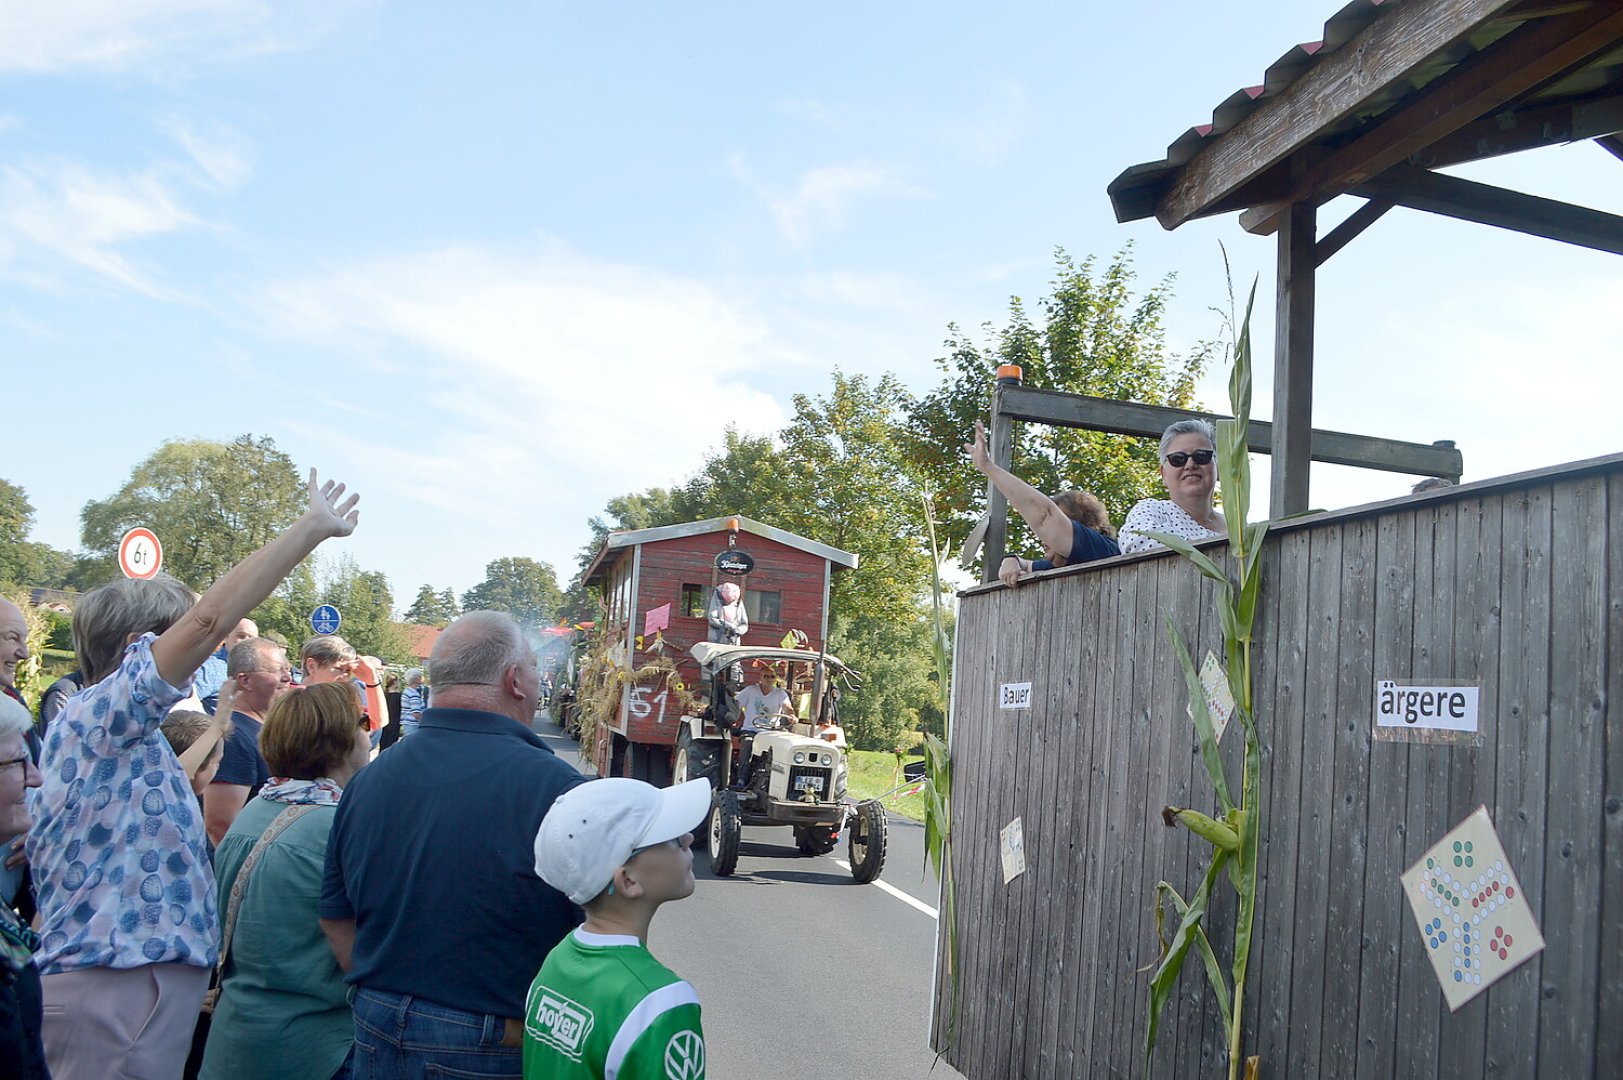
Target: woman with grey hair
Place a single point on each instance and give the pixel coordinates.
(22, 1052)
(128, 923)
(1189, 470)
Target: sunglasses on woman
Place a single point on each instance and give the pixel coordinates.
(1178, 458)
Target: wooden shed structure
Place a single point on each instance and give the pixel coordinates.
(1512, 585)
(669, 572)
(1394, 91)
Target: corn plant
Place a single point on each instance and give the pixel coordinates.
(938, 781)
(1233, 837)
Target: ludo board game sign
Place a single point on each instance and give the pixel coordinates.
(1470, 910)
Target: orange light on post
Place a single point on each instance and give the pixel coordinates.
(1009, 374)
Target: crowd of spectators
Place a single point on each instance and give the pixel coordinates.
(209, 874)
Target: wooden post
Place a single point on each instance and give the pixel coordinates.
(1000, 444)
(1293, 362)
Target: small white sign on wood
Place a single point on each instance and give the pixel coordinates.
(1013, 849)
(1430, 708)
(1014, 695)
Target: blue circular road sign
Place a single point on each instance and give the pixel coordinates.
(325, 619)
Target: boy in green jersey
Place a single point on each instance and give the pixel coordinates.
(602, 1006)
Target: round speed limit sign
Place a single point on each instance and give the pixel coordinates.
(139, 554)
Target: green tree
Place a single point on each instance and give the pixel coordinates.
(448, 604)
(364, 601)
(524, 588)
(212, 504)
(431, 608)
(285, 614)
(1094, 337)
(23, 561)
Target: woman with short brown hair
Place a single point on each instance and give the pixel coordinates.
(282, 1009)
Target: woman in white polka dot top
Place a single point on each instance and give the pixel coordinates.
(1189, 470)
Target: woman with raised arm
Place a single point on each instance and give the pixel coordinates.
(1066, 540)
(129, 928)
(1189, 470)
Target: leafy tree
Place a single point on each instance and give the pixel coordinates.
(212, 504)
(23, 561)
(1093, 337)
(16, 515)
(448, 604)
(364, 600)
(524, 588)
(432, 608)
(285, 614)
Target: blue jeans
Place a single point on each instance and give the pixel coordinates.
(404, 1038)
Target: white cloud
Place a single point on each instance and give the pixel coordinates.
(56, 211)
(821, 200)
(154, 37)
(553, 382)
(222, 154)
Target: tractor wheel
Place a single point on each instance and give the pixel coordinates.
(726, 829)
(697, 759)
(816, 839)
(865, 843)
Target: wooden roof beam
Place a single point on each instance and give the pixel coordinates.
(1148, 421)
(1613, 144)
(1355, 223)
(1488, 205)
(1386, 53)
(1516, 64)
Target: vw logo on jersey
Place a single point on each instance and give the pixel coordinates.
(684, 1056)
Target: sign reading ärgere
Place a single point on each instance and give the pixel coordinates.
(1435, 708)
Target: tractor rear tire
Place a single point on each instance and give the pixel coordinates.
(816, 839)
(865, 841)
(726, 830)
(697, 759)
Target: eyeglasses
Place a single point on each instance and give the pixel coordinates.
(366, 721)
(1178, 458)
(24, 761)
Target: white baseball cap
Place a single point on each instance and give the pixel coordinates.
(593, 829)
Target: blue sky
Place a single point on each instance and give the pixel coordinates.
(495, 263)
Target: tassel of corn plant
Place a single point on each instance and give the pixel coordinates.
(1234, 836)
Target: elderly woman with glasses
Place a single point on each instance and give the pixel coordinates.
(283, 1009)
(128, 925)
(1189, 470)
(22, 1053)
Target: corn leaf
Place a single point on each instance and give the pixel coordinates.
(1203, 719)
(1165, 979)
(1188, 551)
(1214, 971)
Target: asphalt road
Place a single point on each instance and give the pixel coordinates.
(800, 970)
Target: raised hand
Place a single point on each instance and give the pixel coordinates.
(335, 518)
(976, 449)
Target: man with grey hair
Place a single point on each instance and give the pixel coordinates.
(413, 700)
(473, 784)
(261, 672)
(212, 675)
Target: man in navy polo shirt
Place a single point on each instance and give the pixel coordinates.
(442, 924)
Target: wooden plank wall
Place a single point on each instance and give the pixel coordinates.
(1514, 587)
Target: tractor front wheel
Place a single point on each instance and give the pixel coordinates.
(726, 830)
(865, 841)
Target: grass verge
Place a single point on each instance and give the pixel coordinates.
(874, 772)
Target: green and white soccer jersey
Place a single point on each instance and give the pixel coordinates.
(603, 1008)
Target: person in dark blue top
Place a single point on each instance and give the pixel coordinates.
(1072, 527)
(441, 922)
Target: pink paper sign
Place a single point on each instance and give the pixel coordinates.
(657, 619)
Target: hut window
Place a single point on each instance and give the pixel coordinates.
(693, 601)
(764, 607)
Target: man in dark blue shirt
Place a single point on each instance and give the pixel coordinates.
(260, 669)
(441, 923)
